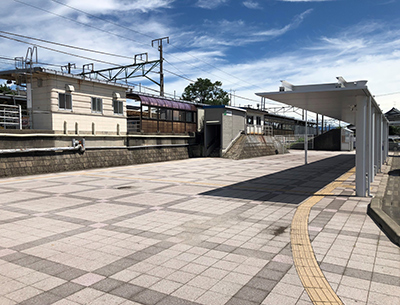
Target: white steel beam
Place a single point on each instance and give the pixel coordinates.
(377, 144)
(305, 140)
(386, 138)
(361, 139)
(368, 146)
(381, 148)
(372, 146)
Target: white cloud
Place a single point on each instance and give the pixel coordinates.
(294, 24)
(251, 4)
(226, 33)
(351, 53)
(306, 0)
(119, 5)
(210, 4)
(364, 51)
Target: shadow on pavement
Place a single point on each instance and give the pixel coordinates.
(289, 186)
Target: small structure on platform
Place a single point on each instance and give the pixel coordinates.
(255, 123)
(63, 103)
(161, 115)
(222, 125)
(238, 133)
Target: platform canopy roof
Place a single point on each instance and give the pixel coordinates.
(335, 100)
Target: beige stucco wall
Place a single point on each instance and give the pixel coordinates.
(47, 114)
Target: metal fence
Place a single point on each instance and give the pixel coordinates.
(296, 141)
(10, 117)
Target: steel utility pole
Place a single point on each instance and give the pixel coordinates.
(160, 48)
(68, 67)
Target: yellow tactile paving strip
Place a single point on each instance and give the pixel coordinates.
(311, 276)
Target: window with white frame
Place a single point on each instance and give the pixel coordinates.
(64, 101)
(97, 105)
(118, 107)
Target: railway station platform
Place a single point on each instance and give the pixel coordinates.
(212, 231)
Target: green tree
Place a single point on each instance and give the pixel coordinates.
(394, 130)
(206, 92)
(5, 89)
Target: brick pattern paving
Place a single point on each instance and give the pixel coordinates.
(198, 231)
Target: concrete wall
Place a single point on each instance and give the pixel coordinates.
(329, 140)
(213, 115)
(47, 140)
(101, 151)
(232, 125)
(50, 162)
(26, 140)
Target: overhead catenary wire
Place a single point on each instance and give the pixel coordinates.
(106, 53)
(66, 45)
(135, 31)
(108, 32)
(99, 29)
(96, 60)
(40, 63)
(127, 28)
(59, 51)
(385, 94)
(87, 50)
(75, 21)
(71, 54)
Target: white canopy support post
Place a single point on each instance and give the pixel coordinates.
(370, 160)
(305, 139)
(381, 147)
(361, 139)
(368, 146)
(372, 157)
(377, 143)
(386, 138)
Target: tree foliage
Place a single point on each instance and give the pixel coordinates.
(206, 92)
(394, 130)
(5, 89)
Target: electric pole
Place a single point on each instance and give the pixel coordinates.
(68, 67)
(159, 42)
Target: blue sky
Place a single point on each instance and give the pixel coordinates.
(249, 45)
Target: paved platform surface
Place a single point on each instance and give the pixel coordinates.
(198, 231)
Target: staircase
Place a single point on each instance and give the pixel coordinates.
(251, 146)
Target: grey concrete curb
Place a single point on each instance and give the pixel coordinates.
(383, 220)
(387, 224)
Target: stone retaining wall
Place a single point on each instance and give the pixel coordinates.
(20, 164)
(251, 146)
